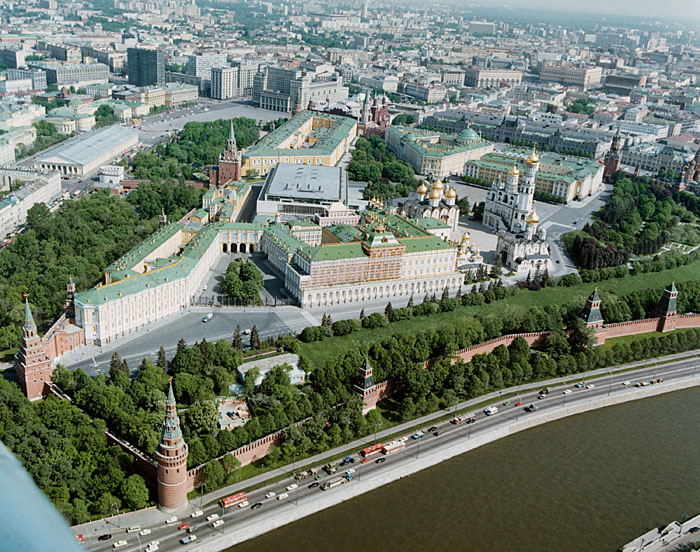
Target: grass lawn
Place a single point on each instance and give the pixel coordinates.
(318, 351)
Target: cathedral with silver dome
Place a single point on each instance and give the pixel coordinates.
(439, 203)
(509, 210)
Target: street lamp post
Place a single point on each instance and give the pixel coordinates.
(114, 505)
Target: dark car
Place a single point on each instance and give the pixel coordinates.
(104, 537)
(471, 421)
(256, 506)
(432, 429)
(314, 485)
(380, 460)
(436, 433)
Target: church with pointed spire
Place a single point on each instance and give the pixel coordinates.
(230, 164)
(171, 457)
(33, 367)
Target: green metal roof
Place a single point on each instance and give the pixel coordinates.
(334, 252)
(328, 138)
(280, 234)
(429, 223)
(416, 138)
(344, 232)
(141, 252)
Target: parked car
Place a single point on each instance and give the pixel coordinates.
(256, 506)
(196, 514)
(171, 520)
(145, 532)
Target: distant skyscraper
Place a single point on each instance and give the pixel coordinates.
(145, 67)
(365, 10)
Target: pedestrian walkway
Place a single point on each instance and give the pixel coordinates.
(152, 515)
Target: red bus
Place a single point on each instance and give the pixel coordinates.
(232, 500)
(369, 451)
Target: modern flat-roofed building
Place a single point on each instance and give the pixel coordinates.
(302, 190)
(200, 65)
(434, 153)
(308, 138)
(64, 74)
(37, 76)
(88, 152)
(13, 58)
(145, 66)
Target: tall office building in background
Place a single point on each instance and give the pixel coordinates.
(145, 67)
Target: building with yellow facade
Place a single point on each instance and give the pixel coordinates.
(308, 138)
(436, 154)
(564, 176)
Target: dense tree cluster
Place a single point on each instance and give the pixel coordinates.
(79, 241)
(388, 177)
(243, 282)
(198, 145)
(636, 220)
(105, 116)
(67, 454)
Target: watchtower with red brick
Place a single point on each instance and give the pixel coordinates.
(365, 387)
(612, 159)
(230, 163)
(33, 367)
(171, 456)
(668, 309)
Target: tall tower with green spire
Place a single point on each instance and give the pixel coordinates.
(365, 387)
(668, 309)
(171, 456)
(591, 312)
(33, 367)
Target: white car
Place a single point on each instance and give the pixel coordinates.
(246, 331)
(171, 520)
(351, 470)
(271, 494)
(218, 523)
(243, 504)
(566, 392)
(196, 514)
(627, 382)
(145, 532)
(292, 487)
(119, 544)
(282, 496)
(590, 386)
(213, 517)
(152, 548)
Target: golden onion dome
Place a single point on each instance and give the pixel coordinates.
(451, 193)
(438, 185)
(422, 189)
(465, 236)
(380, 229)
(514, 171)
(533, 158)
(434, 194)
(532, 218)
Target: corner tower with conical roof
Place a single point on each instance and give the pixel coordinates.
(171, 456)
(33, 367)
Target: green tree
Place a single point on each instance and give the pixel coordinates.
(134, 491)
(389, 312)
(237, 339)
(201, 417)
(254, 338)
(162, 360)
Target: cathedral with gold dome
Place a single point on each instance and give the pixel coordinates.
(439, 203)
(509, 210)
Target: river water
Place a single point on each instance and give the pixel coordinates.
(587, 483)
